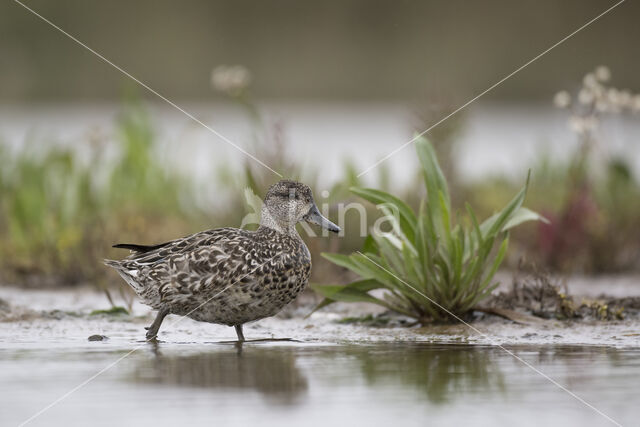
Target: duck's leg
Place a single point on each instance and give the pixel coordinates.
(152, 331)
(239, 333)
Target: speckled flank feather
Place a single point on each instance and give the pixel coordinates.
(227, 275)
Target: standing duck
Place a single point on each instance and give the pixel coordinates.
(229, 276)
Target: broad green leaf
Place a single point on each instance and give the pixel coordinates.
(523, 215)
(369, 245)
(329, 291)
(474, 221)
(377, 197)
(341, 260)
(353, 292)
(391, 249)
(433, 176)
(496, 263)
(496, 223)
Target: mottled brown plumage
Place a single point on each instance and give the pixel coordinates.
(227, 275)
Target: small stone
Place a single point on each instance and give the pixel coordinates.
(98, 337)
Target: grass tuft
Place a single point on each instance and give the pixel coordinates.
(113, 311)
(431, 264)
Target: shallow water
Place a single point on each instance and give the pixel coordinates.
(286, 383)
(336, 374)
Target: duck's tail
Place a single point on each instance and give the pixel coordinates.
(129, 276)
(134, 248)
(112, 263)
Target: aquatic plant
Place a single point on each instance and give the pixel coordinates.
(595, 227)
(431, 264)
(592, 198)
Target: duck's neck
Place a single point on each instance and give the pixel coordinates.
(285, 227)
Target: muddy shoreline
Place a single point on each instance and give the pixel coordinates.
(33, 316)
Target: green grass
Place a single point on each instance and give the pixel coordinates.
(60, 212)
(594, 216)
(431, 264)
(113, 311)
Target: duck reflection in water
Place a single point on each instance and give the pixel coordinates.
(270, 371)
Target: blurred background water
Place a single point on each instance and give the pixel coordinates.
(496, 138)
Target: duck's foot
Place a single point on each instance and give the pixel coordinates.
(239, 333)
(152, 331)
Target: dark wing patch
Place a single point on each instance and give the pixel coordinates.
(141, 248)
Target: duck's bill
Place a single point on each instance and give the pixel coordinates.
(315, 217)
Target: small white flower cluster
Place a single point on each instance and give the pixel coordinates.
(595, 98)
(231, 79)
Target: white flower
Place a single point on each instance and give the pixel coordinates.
(590, 80)
(625, 99)
(562, 99)
(598, 92)
(613, 96)
(230, 79)
(602, 106)
(585, 96)
(582, 125)
(576, 124)
(602, 73)
(635, 104)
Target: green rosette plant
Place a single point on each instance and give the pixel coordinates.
(432, 266)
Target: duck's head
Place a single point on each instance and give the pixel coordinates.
(289, 202)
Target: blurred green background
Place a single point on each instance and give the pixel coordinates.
(347, 49)
(88, 158)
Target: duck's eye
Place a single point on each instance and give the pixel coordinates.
(294, 195)
(287, 195)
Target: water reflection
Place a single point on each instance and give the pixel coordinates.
(269, 371)
(317, 385)
(442, 373)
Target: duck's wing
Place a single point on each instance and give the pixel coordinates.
(141, 248)
(146, 254)
(203, 263)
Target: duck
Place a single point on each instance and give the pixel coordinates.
(228, 276)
